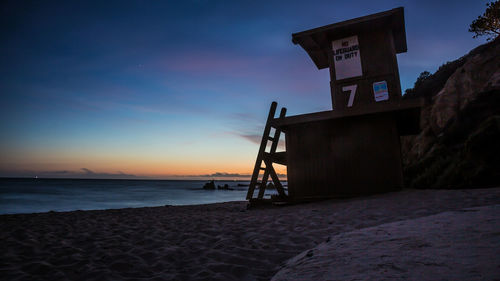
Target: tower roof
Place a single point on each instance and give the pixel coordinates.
(317, 41)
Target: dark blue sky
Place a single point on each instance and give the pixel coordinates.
(165, 88)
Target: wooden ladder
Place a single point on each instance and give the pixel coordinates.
(268, 158)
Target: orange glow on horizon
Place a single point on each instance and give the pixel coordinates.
(139, 167)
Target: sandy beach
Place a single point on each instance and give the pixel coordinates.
(227, 241)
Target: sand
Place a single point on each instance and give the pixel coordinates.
(228, 242)
(456, 245)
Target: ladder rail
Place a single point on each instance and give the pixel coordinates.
(269, 164)
(260, 154)
(268, 158)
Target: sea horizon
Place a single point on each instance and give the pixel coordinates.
(125, 179)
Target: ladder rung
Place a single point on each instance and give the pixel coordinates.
(270, 138)
(262, 168)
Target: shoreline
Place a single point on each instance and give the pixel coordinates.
(118, 209)
(219, 241)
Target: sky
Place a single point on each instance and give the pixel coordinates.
(178, 89)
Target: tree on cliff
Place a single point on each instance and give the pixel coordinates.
(420, 80)
(489, 23)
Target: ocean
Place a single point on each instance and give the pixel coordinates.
(44, 195)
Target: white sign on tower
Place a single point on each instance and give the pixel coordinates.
(347, 58)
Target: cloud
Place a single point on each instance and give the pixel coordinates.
(91, 174)
(246, 117)
(214, 176)
(63, 172)
(83, 173)
(224, 175)
(87, 171)
(258, 138)
(252, 137)
(230, 175)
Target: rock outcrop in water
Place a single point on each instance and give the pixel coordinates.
(459, 145)
(209, 185)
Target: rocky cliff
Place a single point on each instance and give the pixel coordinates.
(459, 145)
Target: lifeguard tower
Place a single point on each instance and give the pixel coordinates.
(353, 149)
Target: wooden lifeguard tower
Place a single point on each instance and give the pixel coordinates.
(353, 149)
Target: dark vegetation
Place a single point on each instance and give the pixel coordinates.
(487, 24)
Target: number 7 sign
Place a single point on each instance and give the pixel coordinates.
(352, 92)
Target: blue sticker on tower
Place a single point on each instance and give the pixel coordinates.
(380, 91)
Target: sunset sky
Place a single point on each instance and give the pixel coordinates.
(177, 89)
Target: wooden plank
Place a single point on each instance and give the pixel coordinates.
(277, 157)
(332, 114)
